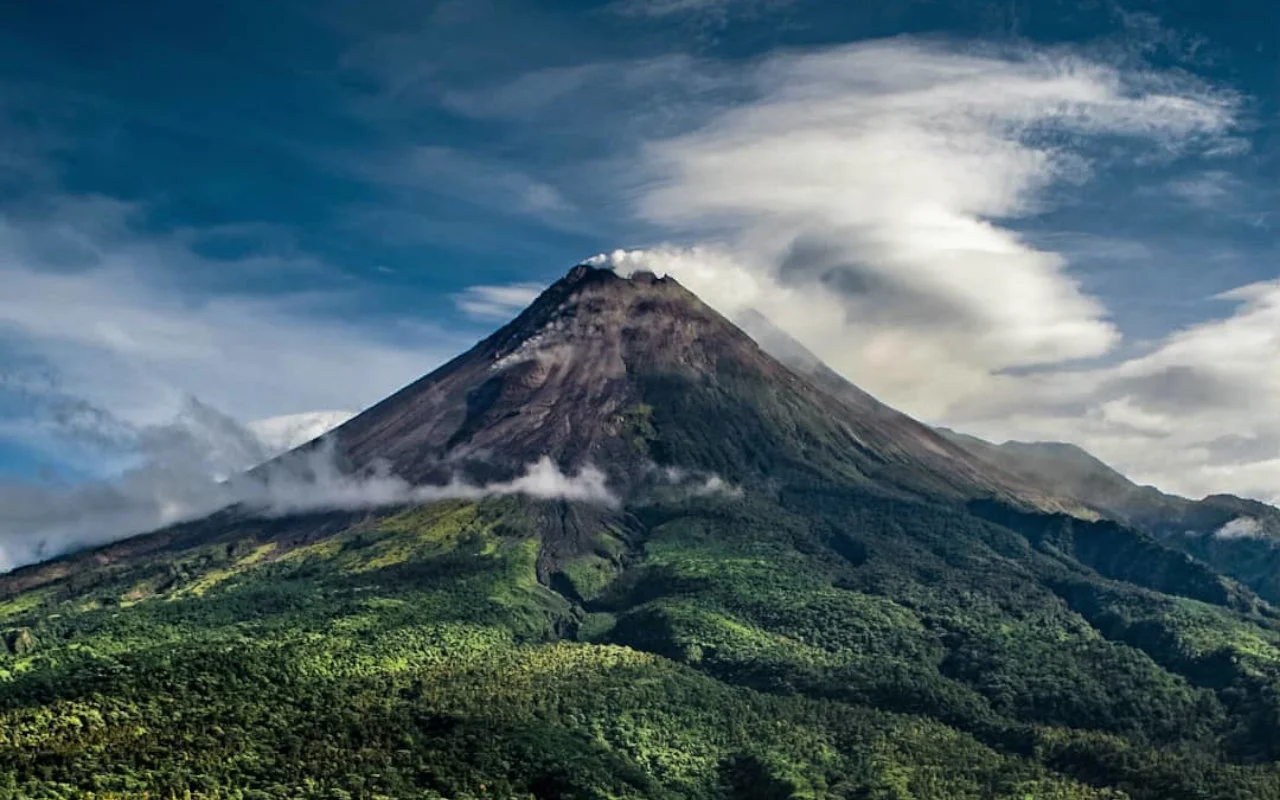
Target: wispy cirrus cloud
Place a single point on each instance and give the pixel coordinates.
(1210, 189)
(674, 8)
(470, 178)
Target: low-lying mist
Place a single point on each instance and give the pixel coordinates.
(200, 463)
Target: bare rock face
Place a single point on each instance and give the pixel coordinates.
(557, 381)
(627, 373)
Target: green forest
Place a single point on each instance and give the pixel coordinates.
(824, 643)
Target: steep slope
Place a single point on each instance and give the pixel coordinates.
(841, 604)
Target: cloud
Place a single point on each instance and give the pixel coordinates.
(171, 473)
(288, 431)
(480, 181)
(1210, 189)
(544, 480)
(662, 8)
(657, 95)
(312, 481)
(1196, 414)
(678, 482)
(1241, 528)
(108, 310)
(195, 465)
(497, 303)
(451, 196)
(867, 199)
(864, 193)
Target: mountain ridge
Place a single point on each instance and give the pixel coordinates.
(1238, 536)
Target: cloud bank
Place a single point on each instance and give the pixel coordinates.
(312, 481)
(1197, 414)
(497, 303)
(195, 465)
(862, 196)
(134, 323)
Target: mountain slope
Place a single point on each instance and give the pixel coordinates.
(1239, 537)
(1082, 476)
(794, 595)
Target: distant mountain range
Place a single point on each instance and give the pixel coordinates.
(1240, 537)
(622, 549)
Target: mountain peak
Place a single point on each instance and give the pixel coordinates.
(589, 273)
(566, 379)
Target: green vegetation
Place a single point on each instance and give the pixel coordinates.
(814, 644)
(637, 426)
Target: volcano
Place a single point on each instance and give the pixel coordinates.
(624, 373)
(784, 589)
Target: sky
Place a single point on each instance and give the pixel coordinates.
(1041, 221)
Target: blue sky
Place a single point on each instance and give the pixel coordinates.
(1014, 218)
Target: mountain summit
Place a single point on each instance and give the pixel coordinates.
(845, 604)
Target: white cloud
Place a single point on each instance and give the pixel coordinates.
(693, 483)
(312, 481)
(194, 465)
(497, 303)
(865, 201)
(485, 181)
(471, 179)
(1210, 189)
(670, 8)
(170, 473)
(1241, 528)
(287, 431)
(121, 334)
(1197, 414)
(859, 200)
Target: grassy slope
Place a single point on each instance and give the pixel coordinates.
(744, 648)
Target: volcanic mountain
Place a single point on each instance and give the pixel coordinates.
(784, 589)
(625, 373)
